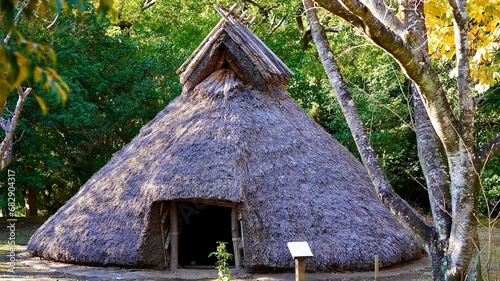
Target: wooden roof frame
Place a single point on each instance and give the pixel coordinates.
(246, 54)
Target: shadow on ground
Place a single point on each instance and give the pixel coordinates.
(29, 268)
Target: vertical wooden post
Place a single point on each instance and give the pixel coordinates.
(163, 236)
(376, 267)
(174, 234)
(300, 269)
(235, 233)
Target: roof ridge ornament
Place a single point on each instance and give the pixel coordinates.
(235, 14)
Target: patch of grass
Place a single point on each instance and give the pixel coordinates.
(24, 228)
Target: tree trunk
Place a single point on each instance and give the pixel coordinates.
(9, 126)
(446, 152)
(435, 169)
(410, 219)
(453, 188)
(5, 212)
(463, 245)
(30, 202)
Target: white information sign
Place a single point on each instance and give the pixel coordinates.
(300, 249)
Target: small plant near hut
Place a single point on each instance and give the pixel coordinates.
(223, 256)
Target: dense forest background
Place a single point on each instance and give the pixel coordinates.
(122, 71)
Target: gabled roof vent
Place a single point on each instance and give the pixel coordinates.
(232, 44)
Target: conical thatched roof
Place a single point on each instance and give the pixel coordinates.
(225, 140)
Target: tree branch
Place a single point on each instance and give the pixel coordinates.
(400, 209)
(147, 4)
(336, 8)
(6, 145)
(274, 28)
(466, 101)
(385, 15)
(306, 36)
(16, 20)
(489, 150)
(53, 22)
(411, 61)
(360, 16)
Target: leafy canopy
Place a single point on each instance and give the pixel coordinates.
(27, 59)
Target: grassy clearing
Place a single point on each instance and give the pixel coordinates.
(24, 228)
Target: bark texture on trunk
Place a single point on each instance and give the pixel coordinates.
(462, 249)
(9, 126)
(435, 169)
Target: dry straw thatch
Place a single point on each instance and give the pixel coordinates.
(235, 136)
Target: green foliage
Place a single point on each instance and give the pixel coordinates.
(223, 256)
(24, 59)
(115, 89)
(490, 205)
(488, 124)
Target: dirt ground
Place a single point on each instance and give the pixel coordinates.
(28, 268)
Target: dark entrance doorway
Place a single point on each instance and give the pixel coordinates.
(201, 228)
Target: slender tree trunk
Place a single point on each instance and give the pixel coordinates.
(5, 212)
(30, 202)
(9, 126)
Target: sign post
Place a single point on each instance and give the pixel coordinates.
(300, 251)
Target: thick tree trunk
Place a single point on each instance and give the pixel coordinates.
(453, 198)
(435, 170)
(446, 149)
(463, 249)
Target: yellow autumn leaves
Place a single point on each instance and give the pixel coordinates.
(484, 37)
(17, 69)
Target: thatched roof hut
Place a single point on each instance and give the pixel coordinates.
(234, 159)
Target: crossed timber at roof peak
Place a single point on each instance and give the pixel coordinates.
(235, 14)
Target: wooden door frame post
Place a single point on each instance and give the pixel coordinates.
(174, 236)
(235, 233)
